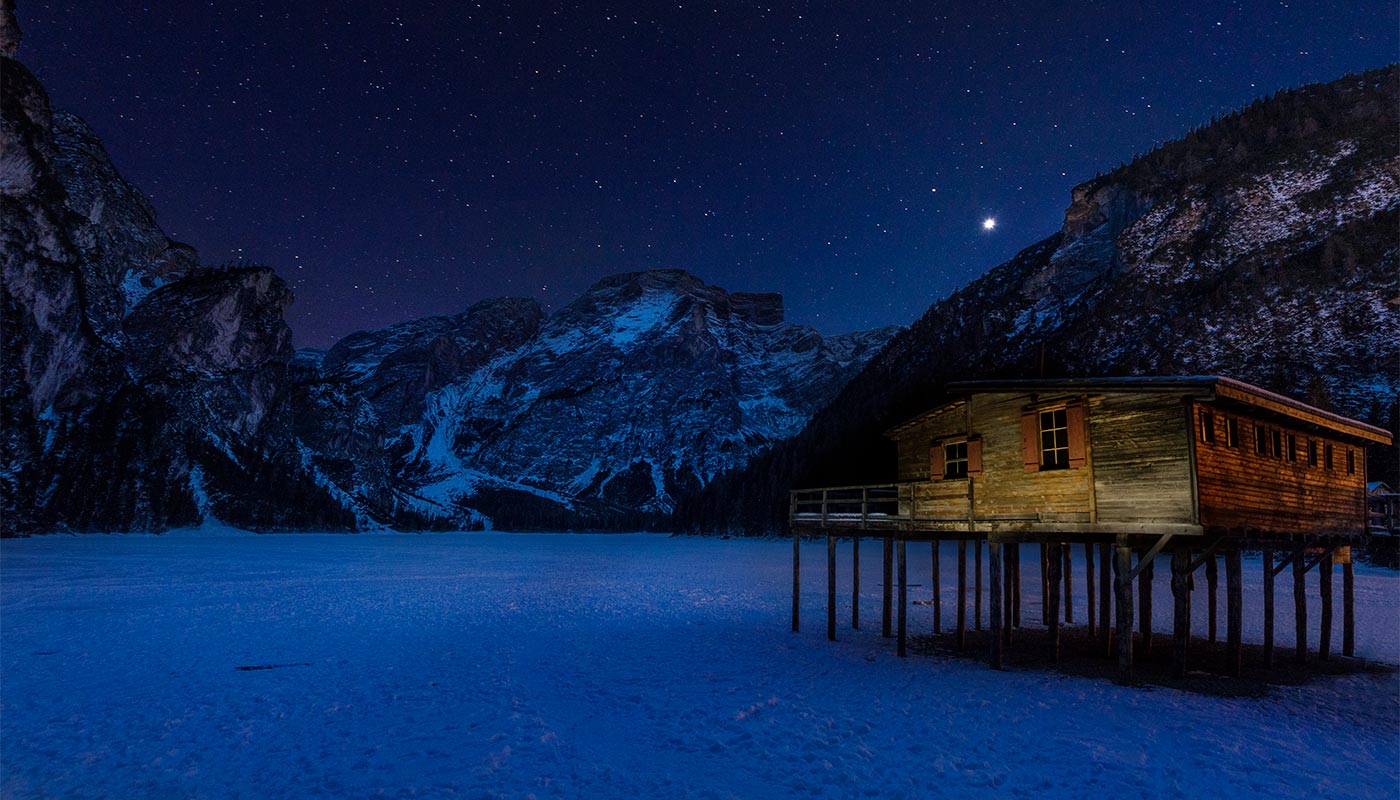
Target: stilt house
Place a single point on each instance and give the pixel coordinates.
(1197, 467)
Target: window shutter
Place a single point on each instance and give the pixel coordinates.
(935, 461)
(974, 457)
(1074, 417)
(1030, 440)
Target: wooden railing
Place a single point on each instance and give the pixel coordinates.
(874, 503)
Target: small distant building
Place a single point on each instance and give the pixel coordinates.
(1383, 505)
(1197, 467)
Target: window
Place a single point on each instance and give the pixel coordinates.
(1351, 462)
(1207, 427)
(1292, 447)
(1327, 456)
(1261, 441)
(1054, 439)
(1232, 433)
(955, 460)
(1278, 443)
(1312, 454)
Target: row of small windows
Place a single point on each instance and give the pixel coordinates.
(1274, 443)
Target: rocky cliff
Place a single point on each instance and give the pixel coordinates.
(1261, 246)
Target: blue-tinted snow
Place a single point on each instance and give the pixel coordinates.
(497, 665)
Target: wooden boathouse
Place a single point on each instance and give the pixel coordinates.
(1191, 469)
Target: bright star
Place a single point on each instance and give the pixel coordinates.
(988, 224)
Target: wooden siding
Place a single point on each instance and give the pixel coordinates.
(1006, 488)
(1140, 444)
(1240, 489)
(914, 442)
(941, 499)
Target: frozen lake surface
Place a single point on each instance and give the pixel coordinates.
(485, 665)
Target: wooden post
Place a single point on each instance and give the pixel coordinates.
(1348, 607)
(1008, 555)
(886, 612)
(1300, 603)
(1054, 561)
(796, 578)
(1181, 609)
(1015, 585)
(1044, 581)
(962, 593)
(994, 596)
(1234, 611)
(1145, 608)
(855, 583)
(1068, 551)
(1106, 595)
(831, 587)
(1268, 608)
(1212, 580)
(937, 593)
(977, 585)
(1324, 583)
(1089, 586)
(1123, 589)
(903, 598)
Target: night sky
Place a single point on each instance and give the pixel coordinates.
(395, 160)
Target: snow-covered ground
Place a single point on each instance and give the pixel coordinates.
(483, 665)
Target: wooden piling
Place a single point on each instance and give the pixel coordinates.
(1348, 607)
(1300, 604)
(977, 584)
(886, 613)
(1123, 590)
(1234, 611)
(1268, 555)
(1089, 587)
(962, 593)
(1068, 554)
(1054, 561)
(937, 592)
(1181, 609)
(994, 596)
(1145, 608)
(1044, 581)
(1106, 594)
(1016, 585)
(831, 588)
(1324, 585)
(1212, 579)
(855, 583)
(1007, 558)
(796, 578)
(903, 599)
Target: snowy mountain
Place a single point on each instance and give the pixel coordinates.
(1262, 246)
(601, 414)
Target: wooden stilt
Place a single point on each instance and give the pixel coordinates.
(831, 588)
(888, 590)
(1089, 587)
(1008, 557)
(1123, 591)
(1145, 609)
(1300, 604)
(1234, 611)
(1068, 551)
(1348, 607)
(977, 585)
(1054, 562)
(903, 599)
(1324, 584)
(1268, 608)
(1212, 580)
(937, 592)
(1016, 585)
(855, 583)
(796, 578)
(1106, 595)
(1181, 609)
(1044, 582)
(994, 570)
(962, 593)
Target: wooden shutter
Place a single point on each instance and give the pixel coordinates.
(1074, 417)
(974, 457)
(935, 461)
(1030, 440)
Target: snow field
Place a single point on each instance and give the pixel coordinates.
(500, 665)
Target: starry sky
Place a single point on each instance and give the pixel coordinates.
(398, 159)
